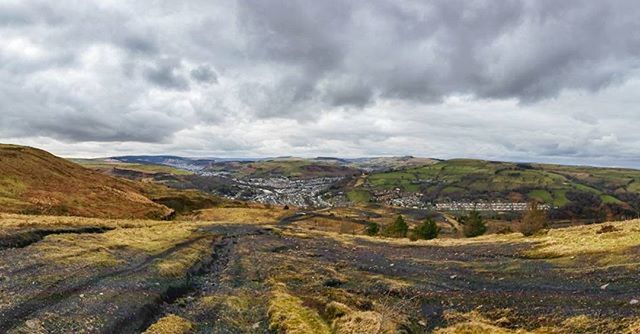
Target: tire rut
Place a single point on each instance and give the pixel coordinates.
(210, 274)
(46, 299)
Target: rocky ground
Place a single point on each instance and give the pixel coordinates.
(257, 279)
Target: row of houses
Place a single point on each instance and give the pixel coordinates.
(487, 206)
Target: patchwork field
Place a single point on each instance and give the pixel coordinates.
(226, 273)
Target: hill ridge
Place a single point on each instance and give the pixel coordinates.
(37, 182)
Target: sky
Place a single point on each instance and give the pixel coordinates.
(540, 80)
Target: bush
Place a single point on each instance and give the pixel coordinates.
(398, 229)
(372, 229)
(427, 230)
(473, 225)
(533, 221)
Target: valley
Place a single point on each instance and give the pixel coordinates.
(298, 246)
(501, 189)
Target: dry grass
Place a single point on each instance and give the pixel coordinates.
(243, 215)
(472, 323)
(331, 225)
(243, 309)
(10, 223)
(288, 315)
(563, 242)
(634, 328)
(41, 183)
(171, 324)
(577, 240)
(179, 263)
(475, 323)
(348, 321)
(101, 249)
(359, 322)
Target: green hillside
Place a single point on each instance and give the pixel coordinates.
(559, 186)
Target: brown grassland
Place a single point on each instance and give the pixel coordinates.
(242, 270)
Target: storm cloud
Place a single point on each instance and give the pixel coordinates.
(524, 80)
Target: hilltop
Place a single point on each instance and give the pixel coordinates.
(36, 182)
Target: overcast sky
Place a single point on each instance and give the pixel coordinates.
(539, 80)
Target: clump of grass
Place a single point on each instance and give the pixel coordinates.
(348, 321)
(579, 324)
(287, 314)
(634, 327)
(240, 311)
(359, 322)
(471, 323)
(181, 261)
(171, 324)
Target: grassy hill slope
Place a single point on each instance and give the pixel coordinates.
(473, 180)
(35, 181)
(285, 167)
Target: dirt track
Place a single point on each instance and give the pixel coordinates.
(420, 283)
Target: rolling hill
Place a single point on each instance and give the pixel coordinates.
(578, 190)
(37, 182)
(572, 191)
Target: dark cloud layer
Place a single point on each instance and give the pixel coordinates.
(178, 75)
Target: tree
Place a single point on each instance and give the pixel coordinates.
(398, 229)
(533, 221)
(427, 230)
(473, 225)
(372, 229)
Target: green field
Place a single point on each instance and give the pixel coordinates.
(464, 179)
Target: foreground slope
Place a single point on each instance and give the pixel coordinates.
(128, 276)
(37, 182)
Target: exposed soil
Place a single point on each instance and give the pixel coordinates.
(496, 280)
(412, 285)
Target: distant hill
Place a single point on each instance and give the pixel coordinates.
(579, 191)
(284, 167)
(35, 181)
(572, 191)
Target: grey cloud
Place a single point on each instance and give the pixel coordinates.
(139, 44)
(204, 74)
(527, 50)
(421, 77)
(167, 74)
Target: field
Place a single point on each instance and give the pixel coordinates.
(228, 273)
(575, 191)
